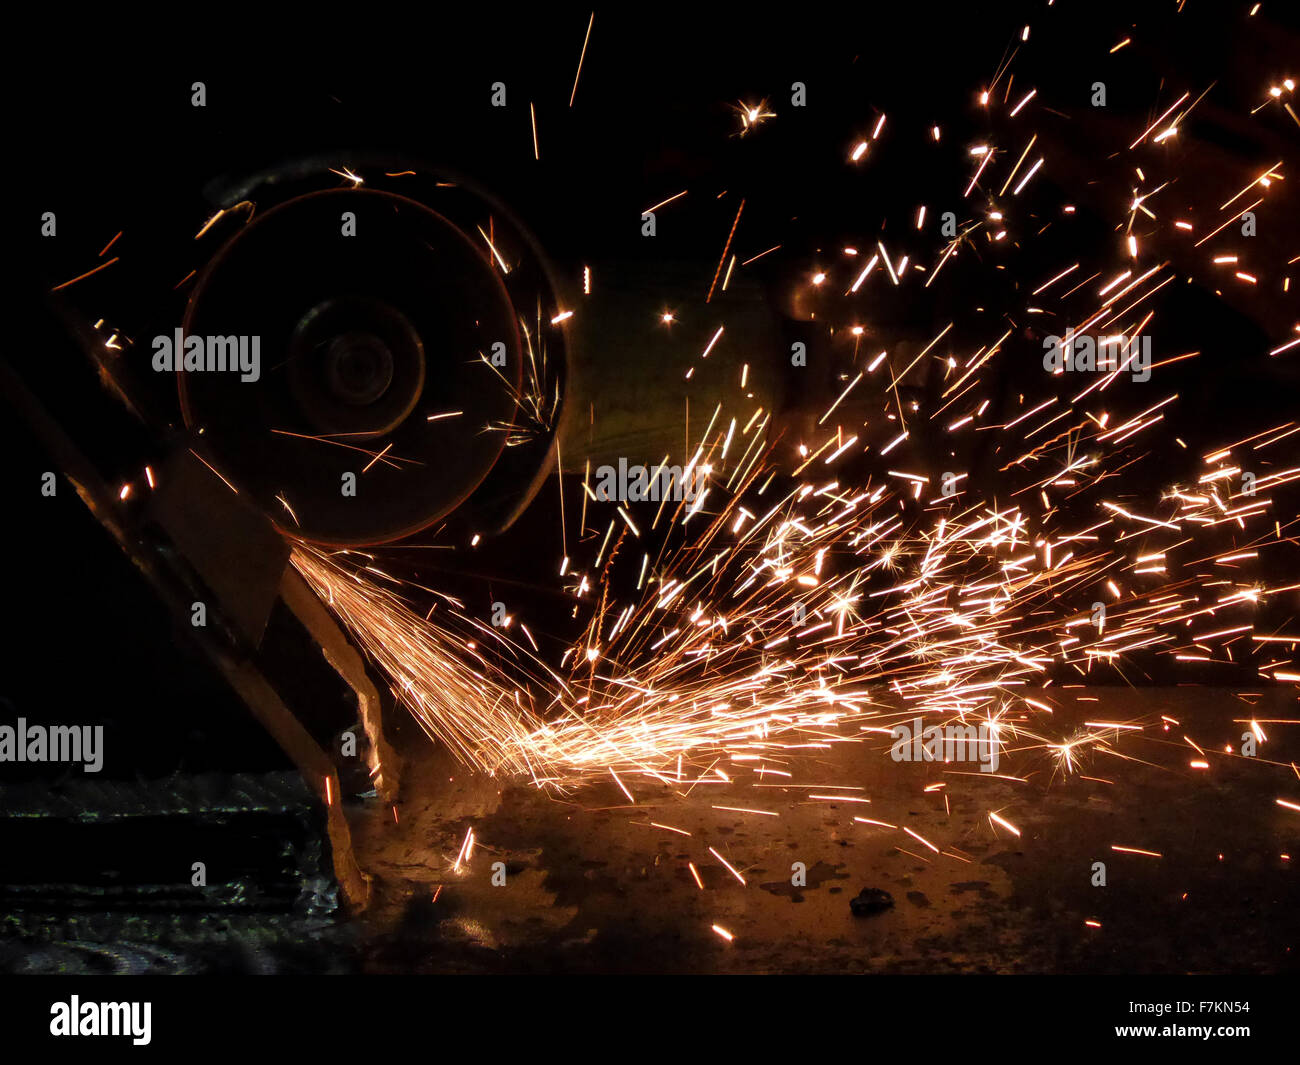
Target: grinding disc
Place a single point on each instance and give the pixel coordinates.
(362, 339)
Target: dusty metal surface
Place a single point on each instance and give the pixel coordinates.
(592, 885)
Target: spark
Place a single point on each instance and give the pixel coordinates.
(730, 868)
(88, 273)
(665, 203)
(581, 56)
(725, 249)
(1004, 823)
(753, 115)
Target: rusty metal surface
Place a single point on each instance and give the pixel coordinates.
(592, 886)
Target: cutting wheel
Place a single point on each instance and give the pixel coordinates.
(363, 340)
